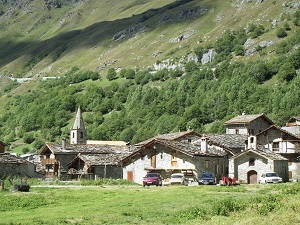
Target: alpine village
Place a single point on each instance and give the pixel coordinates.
(189, 92)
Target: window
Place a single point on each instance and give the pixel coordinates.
(275, 146)
(174, 159)
(81, 134)
(251, 162)
(206, 164)
(237, 131)
(251, 132)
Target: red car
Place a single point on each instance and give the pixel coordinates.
(152, 179)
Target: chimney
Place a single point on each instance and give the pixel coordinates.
(64, 144)
(204, 145)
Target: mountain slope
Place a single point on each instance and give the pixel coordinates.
(105, 56)
(36, 39)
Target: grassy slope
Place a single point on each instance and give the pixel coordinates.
(82, 34)
(154, 205)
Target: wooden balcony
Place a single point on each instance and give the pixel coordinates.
(49, 161)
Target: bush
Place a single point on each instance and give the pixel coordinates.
(28, 138)
(25, 150)
(281, 33)
(111, 74)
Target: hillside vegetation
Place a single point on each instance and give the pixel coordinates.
(140, 68)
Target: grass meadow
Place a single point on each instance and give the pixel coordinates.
(84, 203)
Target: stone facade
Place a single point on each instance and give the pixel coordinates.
(284, 143)
(248, 124)
(11, 165)
(167, 157)
(248, 166)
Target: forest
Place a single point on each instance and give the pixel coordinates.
(134, 105)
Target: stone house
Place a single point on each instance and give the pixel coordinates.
(282, 142)
(12, 165)
(177, 152)
(248, 124)
(249, 165)
(2, 147)
(59, 159)
(104, 165)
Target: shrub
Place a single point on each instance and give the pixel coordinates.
(28, 138)
(281, 33)
(111, 74)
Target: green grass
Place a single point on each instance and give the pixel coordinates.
(119, 204)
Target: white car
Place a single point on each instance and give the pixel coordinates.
(269, 177)
(177, 178)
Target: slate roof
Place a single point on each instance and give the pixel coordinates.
(100, 159)
(86, 149)
(245, 119)
(170, 136)
(295, 138)
(266, 153)
(228, 141)
(185, 148)
(6, 158)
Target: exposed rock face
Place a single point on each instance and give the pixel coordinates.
(183, 14)
(184, 36)
(250, 51)
(208, 57)
(52, 4)
(130, 32)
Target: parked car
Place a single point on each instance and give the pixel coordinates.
(206, 178)
(177, 178)
(269, 177)
(152, 179)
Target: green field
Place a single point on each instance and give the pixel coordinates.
(122, 204)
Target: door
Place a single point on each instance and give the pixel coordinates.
(153, 159)
(130, 175)
(252, 177)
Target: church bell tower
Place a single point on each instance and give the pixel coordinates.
(78, 132)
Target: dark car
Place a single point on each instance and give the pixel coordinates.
(207, 178)
(152, 179)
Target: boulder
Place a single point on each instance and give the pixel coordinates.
(208, 57)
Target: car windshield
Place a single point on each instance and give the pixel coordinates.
(271, 175)
(207, 175)
(152, 175)
(177, 176)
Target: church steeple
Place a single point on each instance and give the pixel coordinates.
(78, 132)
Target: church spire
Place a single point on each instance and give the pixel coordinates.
(78, 132)
(78, 124)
